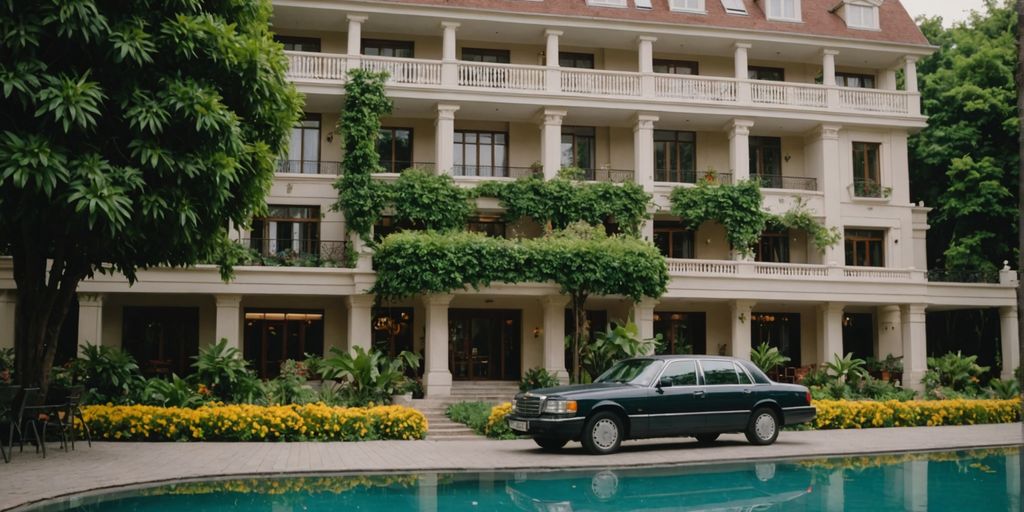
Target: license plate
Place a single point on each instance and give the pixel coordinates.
(521, 426)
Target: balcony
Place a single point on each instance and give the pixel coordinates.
(309, 167)
(272, 252)
(786, 182)
(324, 68)
(787, 271)
(869, 189)
(493, 171)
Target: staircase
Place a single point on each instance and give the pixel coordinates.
(442, 428)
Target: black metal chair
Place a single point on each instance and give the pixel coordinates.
(23, 417)
(74, 413)
(8, 396)
(54, 415)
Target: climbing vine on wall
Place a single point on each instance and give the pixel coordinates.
(800, 218)
(429, 201)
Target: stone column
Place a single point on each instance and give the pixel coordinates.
(828, 67)
(890, 333)
(437, 378)
(360, 313)
(915, 345)
(645, 65)
(740, 62)
(643, 150)
(830, 331)
(739, 148)
(553, 76)
(449, 62)
(229, 320)
(830, 182)
(90, 320)
(355, 35)
(739, 317)
(1010, 341)
(553, 307)
(910, 78)
(551, 141)
(444, 150)
(643, 316)
(8, 305)
(887, 80)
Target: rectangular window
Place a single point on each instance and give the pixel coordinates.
(304, 147)
(673, 239)
(788, 10)
(479, 153)
(686, 5)
(861, 16)
(387, 225)
(576, 60)
(865, 248)
(299, 44)
(163, 339)
(855, 80)
(273, 336)
(866, 174)
(734, 7)
(388, 48)
(675, 156)
(681, 373)
(287, 231)
(766, 160)
(607, 3)
(675, 67)
(578, 147)
(683, 333)
(490, 226)
(486, 55)
(779, 330)
(395, 148)
(773, 247)
(766, 73)
(719, 372)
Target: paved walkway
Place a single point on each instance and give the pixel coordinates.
(29, 478)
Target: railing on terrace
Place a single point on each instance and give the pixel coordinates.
(609, 175)
(754, 269)
(723, 178)
(309, 167)
(869, 188)
(292, 252)
(493, 171)
(963, 276)
(397, 166)
(786, 182)
(589, 82)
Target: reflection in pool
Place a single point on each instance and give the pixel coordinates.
(975, 480)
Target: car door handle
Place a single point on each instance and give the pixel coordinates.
(698, 394)
(748, 391)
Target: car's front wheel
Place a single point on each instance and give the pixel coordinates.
(706, 438)
(549, 444)
(603, 433)
(763, 427)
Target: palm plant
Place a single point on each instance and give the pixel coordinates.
(109, 374)
(1003, 389)
(767, 358)
(222, 369)
(618, 343)
(957, 372)
(846, 368)
(369, 376)
(176, 392)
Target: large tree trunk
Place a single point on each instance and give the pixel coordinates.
(579, 316)
(1020, 174)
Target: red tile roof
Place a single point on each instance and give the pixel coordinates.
(896, 25)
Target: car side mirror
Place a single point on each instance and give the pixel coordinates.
(665, 382)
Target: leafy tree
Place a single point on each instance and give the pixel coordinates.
(132, 133)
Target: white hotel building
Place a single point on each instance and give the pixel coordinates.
(800, 93)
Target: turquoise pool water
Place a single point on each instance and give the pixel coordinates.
(954, 481)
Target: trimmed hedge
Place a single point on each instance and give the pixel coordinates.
(833, 414)
(311, 422)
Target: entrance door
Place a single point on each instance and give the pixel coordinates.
(271, 337)
(484, 344)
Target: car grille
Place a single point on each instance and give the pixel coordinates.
(529, 405)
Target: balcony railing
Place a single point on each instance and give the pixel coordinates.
(609, 175)
(713, 177)
(869, 188)
(325, 67)
(963, 276)
(786, 182)
(293, 252)
(754, 269)
(397, 166)
(493, 171)
(309, 167)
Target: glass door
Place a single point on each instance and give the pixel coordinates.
(484, 344)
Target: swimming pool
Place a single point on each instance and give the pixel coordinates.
(973, 480)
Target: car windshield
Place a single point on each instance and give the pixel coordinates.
(632, 371)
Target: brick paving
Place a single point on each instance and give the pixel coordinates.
(29, 478)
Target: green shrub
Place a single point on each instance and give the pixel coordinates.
(816, 377)
(615, 344)
(314, 366)
(847, 368)
(290, 386)
(472, 414)
(537, 378)
(957, 372)
(369, 376)
(1003, 389)
(176, 392)
(497, 426)
(878, 389)
(222, 370)
(108, 374)
(767, 358)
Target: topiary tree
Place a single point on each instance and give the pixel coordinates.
(133, 134)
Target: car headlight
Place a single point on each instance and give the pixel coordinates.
(513, 404)
(560, 406)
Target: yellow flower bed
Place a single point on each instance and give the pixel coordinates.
(496, 421)
(254, 423)
(917, 413)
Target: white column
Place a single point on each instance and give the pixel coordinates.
(828, 66)
(554, 335)
(360, 310)
(830, 183)
(355, 34)
(554, 74)
(643, 150)
(229, 320)
(437, 379)
(551, 141)
(740, 63)
(830, 331)
(890, 332)
(910, 73)
(1010, 341)
(8, 305)
(90, 320)
(444, 138)
(739, 148)
(887, 80)
(645, 65)
(739, 317)
(643, 316)
(449, 62)
(915, 345)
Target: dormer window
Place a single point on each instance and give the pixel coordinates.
(782, 10)
(859, 14)
(687, 6)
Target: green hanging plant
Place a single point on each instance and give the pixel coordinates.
(736, 207)
(430, 201)
(800, 218)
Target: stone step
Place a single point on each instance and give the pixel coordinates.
(455, 437)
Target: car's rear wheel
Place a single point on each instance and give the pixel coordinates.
(706, 438)
(603, 433)
(550, 444)
(763, 428)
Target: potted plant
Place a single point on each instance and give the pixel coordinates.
(892, 367)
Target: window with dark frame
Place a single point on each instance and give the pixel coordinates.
(865, 248)
(673, 239)
(675, 156)
(287, 229)
(855, 80)
(766, 73)
(682, 333)
(578, 146)
(273, 336)
(388, 48)
(676, 67)
(486, 55)
(866, 175)
(773, 247)
(387, 225)
(491, 226)
(766, 160)
(304, 146)
(779, 330)
(480, 153)
(395, 148)
(299, 44)
(576, 60)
